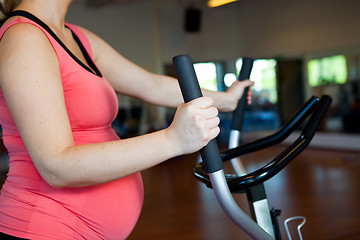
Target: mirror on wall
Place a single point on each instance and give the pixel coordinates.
(338, 76)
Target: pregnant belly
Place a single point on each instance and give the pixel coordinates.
(107, 211)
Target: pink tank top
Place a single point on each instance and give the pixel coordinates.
(29, 207)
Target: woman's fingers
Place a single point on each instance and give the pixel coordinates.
(195, 124)
(202, 102)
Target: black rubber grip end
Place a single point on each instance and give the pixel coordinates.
(317, 117)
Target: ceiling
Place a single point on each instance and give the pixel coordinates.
(106, 2)
(97, 3)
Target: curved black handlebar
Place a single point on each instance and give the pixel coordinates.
(237, 184)
(190, 89)
(277, 137)
(316, 118)
(238, 114)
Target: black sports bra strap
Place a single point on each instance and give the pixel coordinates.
(21, 13)
(88, 59)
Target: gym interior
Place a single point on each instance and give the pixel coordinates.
(301, 49)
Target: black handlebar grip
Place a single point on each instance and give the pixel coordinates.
(238, 114)
(190, 90)
(316, 118)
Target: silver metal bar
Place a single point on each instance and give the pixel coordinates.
(234, 141)
(261, 208)
(231, 208)
(263, 217)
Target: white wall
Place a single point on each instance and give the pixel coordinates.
(150, 33)
(127, 28)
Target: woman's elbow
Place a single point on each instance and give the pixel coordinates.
(54, 180)
(54, 177)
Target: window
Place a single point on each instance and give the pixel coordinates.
(263, 75)
(262, 115)
(207, 76)
(327, 70)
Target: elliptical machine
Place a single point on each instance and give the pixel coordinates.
(263, 224)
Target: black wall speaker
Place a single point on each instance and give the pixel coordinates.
(192, 20)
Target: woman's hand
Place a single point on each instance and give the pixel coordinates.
(228, 101)
(194, 125)
(235, 92)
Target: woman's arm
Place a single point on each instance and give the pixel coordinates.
(128, 78)
(32, 86)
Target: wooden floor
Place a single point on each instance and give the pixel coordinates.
(321, 185)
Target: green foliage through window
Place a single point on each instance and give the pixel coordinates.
(327, 70)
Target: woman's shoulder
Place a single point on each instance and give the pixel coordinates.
(13, 34)
(14, 44)
(18, 27)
